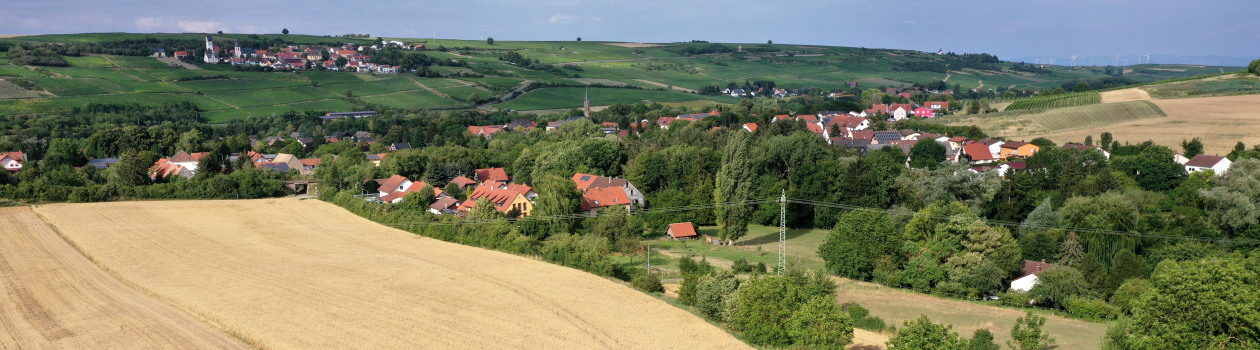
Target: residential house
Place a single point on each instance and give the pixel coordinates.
(924, 112)
(521, 124)
(376, 158)
(937, 105)
(978, 153)
(506, 199)
(1217, 164)
(1028, 275)
(1081, 147)
(599, 191)
(446, 205)
(1017, 149)
(681, 230)
(491, 175)
(309, 165)
(463, 181)
(750, 127)
(995, 146)
(900, 111)
(399, 146)
(12, 161)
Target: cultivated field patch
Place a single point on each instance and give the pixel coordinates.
(1219, 121)
(288, 273)
(52, 296)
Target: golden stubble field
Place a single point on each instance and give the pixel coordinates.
(53, 297)
(288, 273)
(1219, 121)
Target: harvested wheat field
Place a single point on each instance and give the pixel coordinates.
(1122, 95)
(51, 296)
(288, 273)
(1219, 121)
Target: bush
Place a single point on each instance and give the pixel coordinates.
(862, 318)
(820, 323)
(1090, 308)
(1129, 291)
(712, 291)
(647, 282)
(588, 253)
(921, 333)
(1254, 67)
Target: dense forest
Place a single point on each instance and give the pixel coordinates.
(1136, 238)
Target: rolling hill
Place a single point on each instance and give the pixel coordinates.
(1219, 109)
(641, 71)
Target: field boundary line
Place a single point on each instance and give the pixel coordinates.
(426, 87)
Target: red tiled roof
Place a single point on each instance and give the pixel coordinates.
(957, 139)
(814, 128)
(1204, 161)
(682, 229)
(501, 198)
(977, 151)
(491, 174)
(484, 130)
(310, 161)
(782, 117)
(15, 155)
(1035, 267)
(604, 197)
(390, 184)
(463, 181)
(750, 127)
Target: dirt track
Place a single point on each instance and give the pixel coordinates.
(285, 273)
(52, 296)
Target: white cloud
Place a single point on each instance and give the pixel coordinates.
(563, 18)
(158, 24)
(151, 23)
(201, 26)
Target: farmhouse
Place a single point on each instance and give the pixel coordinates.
(682, 230)
(12, 161)
(1216, 164)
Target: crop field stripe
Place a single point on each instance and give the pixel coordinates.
(376, 287)
(54, 296)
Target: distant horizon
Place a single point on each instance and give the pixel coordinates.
(1166, 29)
(1094, 60)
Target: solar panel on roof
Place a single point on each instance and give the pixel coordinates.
(586, 177)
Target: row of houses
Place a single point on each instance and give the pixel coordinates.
(295, 57)
(508, 197)
(186, 165)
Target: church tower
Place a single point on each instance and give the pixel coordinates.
(211, 56)
(586, 104)
(237, 50)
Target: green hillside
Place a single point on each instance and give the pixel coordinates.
(480, 75)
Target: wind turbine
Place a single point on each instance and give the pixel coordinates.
(1148, 58)
(1073, 58)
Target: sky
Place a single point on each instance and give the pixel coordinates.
(1171, 31)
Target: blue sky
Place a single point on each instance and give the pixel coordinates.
(1011, 29)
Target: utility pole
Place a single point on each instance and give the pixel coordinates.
(649, 257)
(782, 231)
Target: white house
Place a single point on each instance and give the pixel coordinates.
(1030, 270)
(900, 113)
(1024, 284)
(1216, 164)
(12, 161)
